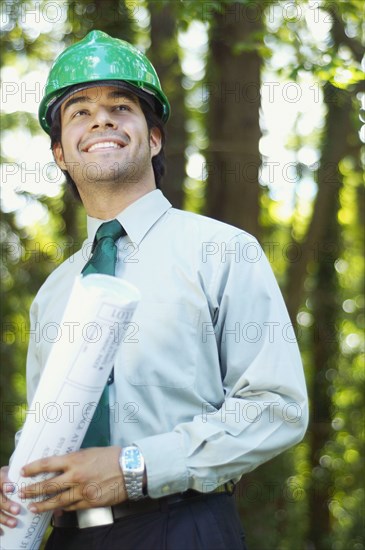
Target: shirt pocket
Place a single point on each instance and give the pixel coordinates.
(160, 347)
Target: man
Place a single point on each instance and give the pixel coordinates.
(209, 384)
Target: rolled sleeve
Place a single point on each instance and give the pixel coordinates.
(165, 464)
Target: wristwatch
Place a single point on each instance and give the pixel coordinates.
(132, 464)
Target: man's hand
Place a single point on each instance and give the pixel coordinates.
(7, 508)
(88, 478)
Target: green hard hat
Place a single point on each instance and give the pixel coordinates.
(98, 58)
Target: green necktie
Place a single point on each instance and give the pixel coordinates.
(103, 260)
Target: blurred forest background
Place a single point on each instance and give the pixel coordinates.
(265, 134)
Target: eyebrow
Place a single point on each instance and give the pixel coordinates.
(115, 94)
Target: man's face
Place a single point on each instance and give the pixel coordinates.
(105, 140)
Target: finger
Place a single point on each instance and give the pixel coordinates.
(48, 487)
(67, 497)
(62, 501)
(40, 489)
(44, 465)
(4, 474)
(7, 520)
(8, 487)
(8, 505)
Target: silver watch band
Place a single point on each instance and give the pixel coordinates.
(132, 465)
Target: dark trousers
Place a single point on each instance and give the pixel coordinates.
(210, 523)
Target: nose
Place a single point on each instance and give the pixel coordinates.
(103, 118)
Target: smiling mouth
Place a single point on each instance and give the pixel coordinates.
(103, 145)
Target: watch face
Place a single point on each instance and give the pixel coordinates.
(132, 458)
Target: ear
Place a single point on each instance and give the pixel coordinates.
(155, 141)
(58, 156)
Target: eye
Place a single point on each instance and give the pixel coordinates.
(122, 107)
(80, 112)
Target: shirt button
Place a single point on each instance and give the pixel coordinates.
(165, 488)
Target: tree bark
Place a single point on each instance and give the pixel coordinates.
(325, 345)
(164, 56)
(325, 354)
(106, 15)
(233, 85)
(335, 146)
(339, 125)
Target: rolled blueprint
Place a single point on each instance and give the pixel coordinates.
(76, 372)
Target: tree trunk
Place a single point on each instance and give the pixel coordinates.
(163, 54)
(336, 146)
(325, 356)
(105, 15)
(325, 345)
(337, 130)
(233, 85)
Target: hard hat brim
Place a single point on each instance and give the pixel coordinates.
(140, 93)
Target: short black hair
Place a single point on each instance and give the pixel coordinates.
(153, 121)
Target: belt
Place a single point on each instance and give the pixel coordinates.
(94, 517)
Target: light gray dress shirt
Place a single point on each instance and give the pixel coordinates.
(208, 381)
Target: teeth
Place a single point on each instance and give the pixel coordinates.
(104, 145)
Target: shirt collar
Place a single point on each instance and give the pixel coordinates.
(138, 218)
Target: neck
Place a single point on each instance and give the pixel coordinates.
(105, 204)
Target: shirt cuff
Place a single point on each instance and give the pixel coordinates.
(165, 465)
